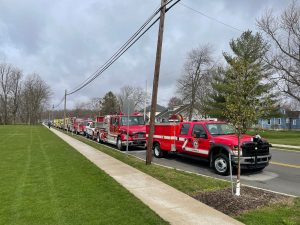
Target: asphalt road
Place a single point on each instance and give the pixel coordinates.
(282, 175)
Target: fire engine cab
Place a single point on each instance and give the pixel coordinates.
(120, 129)
(212, 140)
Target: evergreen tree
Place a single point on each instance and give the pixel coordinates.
(110, 104)
(243, 91)
(214, 105)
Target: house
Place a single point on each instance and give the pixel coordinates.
(288, 120)
(159, 109)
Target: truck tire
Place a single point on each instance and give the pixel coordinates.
(119, 145)
(158, 153)
(221, 164)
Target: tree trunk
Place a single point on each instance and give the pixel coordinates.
(238, 184)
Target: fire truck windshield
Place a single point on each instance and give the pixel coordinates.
(220, 128)
(133, 120)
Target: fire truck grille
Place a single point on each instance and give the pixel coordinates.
(139, 135)
(255, 149)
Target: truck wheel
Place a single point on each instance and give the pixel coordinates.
(221, 164)
(157, 151)
(119, 145)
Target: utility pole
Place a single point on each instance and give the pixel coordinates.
(155, 81)
(65, 107)
(145, 103)
(52, 113)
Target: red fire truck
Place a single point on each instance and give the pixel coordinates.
(118, 129)
(75, 125)
(212, 140)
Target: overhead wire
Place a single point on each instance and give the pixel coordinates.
(209, 17)
(132, 40)
(61, 101)
(120, 49)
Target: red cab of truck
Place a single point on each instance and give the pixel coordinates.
(212, 140)
(76, 125)
(118, 129)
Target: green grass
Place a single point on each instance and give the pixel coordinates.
(191, 184)
(45, 181)
(279, 137)
(186, 182)
(285, 214)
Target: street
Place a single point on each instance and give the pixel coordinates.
(282, 175)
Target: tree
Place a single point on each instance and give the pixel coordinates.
(110, 104)
(174, 101)
(95, 104)
(5, 73)
(284, 33)
(35, 96)
(15, 93)
(215, 103)
(194, 85)
(136, 95)
(246, 96)
(10, 78)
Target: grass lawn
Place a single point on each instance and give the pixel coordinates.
(285, 214)
(45, 181)
(192, 183)
(279, 137)
(186, 182)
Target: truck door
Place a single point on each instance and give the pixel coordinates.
(112, 125)
(183, 137)
(198, 143)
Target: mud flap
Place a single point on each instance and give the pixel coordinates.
(173, 148)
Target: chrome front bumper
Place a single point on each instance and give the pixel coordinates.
(252, 160)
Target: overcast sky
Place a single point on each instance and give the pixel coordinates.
(65, 41)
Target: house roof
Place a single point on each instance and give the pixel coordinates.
(159, 108)
(293, 114)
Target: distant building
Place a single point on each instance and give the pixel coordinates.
(159, 109)
(289, 120)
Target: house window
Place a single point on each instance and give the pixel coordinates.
(294, 122)
(287, 120)
(279, 121)
(269, 121)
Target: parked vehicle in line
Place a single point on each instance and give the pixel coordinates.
(85, 126)
(120, 129)
(75, 126)
(211, 140)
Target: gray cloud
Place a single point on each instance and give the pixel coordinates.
(66, 41)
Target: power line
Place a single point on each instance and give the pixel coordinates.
(118, 51)
(61, 101)
(106, 66)
(132, 40)
(209, 17)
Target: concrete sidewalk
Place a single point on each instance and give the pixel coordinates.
(169, 203)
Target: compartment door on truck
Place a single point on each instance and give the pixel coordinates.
(183, 137)
(198, 143)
